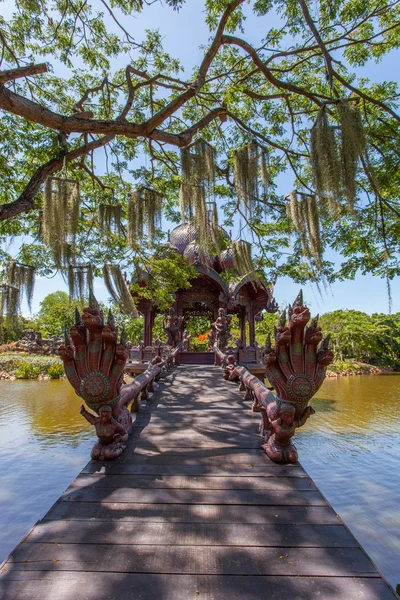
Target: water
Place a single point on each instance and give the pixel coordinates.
(44, 443)
(350, 447)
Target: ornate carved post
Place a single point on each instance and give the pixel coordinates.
(94, 363)
(296, 368)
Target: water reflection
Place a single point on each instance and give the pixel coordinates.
(351, 449)
(44, 442)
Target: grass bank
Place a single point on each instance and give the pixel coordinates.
(344, 368)
(30, 366)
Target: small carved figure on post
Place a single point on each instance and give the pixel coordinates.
(222, 329)
(172, 327)
(279, 446)
(186, 341)
(110, 433)
(211, 341)
(229, 372)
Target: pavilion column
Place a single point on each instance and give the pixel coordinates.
(252, 330)
(152, 318)
(148, 324)
(242, 323)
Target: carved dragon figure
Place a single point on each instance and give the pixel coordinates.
(94, 363)
(296, 369)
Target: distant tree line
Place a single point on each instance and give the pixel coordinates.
(373, 339)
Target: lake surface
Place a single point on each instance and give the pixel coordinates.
(350, 447)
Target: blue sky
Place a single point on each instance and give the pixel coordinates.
(183, 34)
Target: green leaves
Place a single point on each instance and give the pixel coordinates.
(273, 96)
(356, 335)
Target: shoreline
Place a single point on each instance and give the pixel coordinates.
(349, 369)
(11, 361)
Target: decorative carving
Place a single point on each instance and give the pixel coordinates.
(94, 363)
(230, 369)
(222, 329)
(172, 327)
(211, 341)
(186, 341)
(279, 446)
(111, 434)
(296, 370)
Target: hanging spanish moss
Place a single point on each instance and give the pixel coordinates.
(119, 289)
(325, 163)
(192, 199)
(110, 217)
(60, 217)
(241, 254)
(23, 277)
(352, 145)
(198, 179)
(10, 300)
(214, 228)
(200, 220)
(293, 211)
(198, 163)
(185, 202)
(302, 210)
(153, 202)
(135, 217)
(80, 281)
(144, 208)
(251, 167)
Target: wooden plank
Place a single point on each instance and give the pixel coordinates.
(37, 585)
(160, 414)
(192, 439)
(212, 560)
(207, 428)
(209, 435)
(158, 455)
(206, 457)
(241, 469)
(177, 496)
(193, 534)
(189, 513)
(193, 482)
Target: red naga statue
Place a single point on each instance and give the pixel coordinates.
(94, 363)
(296, 368)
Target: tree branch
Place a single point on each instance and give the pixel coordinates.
(316, 34)
(12, 74)
(195, 87)
(291, 87)
(25, 202)
(263, 137)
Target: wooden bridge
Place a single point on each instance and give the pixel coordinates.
(193, 509)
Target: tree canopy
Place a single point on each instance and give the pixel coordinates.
(77, 82)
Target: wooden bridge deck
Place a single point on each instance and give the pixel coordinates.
(193, 509)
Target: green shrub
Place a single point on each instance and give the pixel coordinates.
(197, 346)
(27, 371)
(56, 371)
(11, 362)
